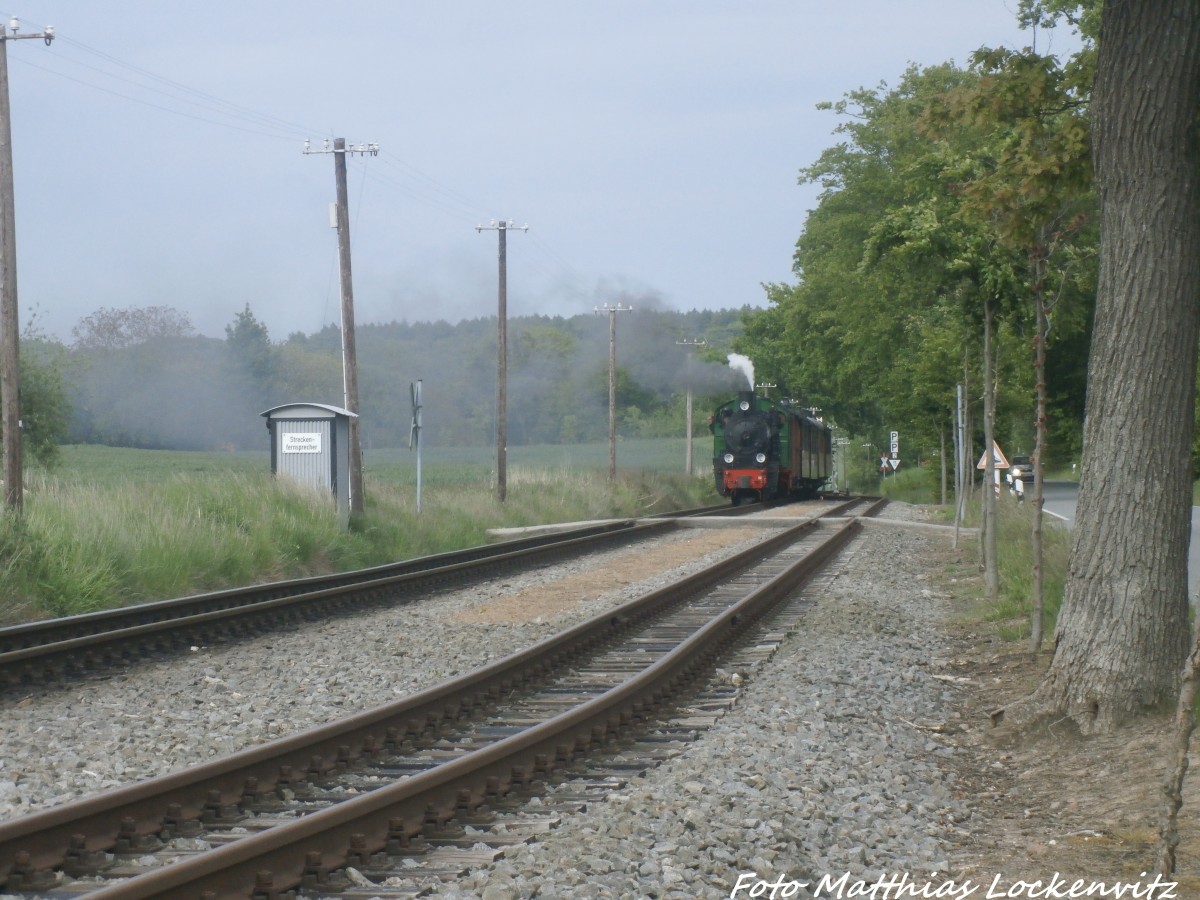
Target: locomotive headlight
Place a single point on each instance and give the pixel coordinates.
(760, 458)
(728, 457)
(744, 406)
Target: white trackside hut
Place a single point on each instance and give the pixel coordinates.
(310, 444)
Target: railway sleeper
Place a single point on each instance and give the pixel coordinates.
(81, 862)
(25, 878)
(176, 825)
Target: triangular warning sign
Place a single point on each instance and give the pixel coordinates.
(1001, 460)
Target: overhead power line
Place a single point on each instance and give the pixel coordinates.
(104, 73)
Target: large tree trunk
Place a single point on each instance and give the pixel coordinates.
(1123, 631)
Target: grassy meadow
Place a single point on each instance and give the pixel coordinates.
(114, 526)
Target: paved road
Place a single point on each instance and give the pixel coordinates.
(1060, 502)
(1060, 499)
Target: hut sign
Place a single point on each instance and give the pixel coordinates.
(297, 442)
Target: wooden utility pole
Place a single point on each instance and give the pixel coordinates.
(341, 221)
(502, 357)
(691, 345)
(10, 332)
(612, 384)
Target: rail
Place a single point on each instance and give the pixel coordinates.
(382, 817)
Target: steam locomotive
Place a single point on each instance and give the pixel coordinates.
(767, 450)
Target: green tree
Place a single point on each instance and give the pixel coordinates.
(249, 345)
(307, 375)
(917, 251)
(872, 331)
(1123, 630)
(1029, 185)
(45, 407)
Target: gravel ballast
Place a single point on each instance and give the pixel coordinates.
(829, 767)
(61, 744)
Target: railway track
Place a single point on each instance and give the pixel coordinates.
(866, 507)
(60, 649)
(365, 789)
(720, 509)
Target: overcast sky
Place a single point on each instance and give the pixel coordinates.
(652, 148)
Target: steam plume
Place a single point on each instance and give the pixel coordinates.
(743, 365)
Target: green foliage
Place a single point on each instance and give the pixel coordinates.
(250, 350)
(913, 484)
(1011, 611)
(956, 187)
(168, 393)
(1082, 16)
(45, 407)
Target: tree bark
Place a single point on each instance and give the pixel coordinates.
(1123, 631)
(942, 457)
(991, 570)
(1177, 766)
(1037, 600)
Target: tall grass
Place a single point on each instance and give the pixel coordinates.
(1012, 609)
(118, 527)
(912, 485)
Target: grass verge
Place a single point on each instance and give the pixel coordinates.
(1011, 612)
(119, 527)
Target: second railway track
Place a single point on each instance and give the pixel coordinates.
(59, 649)
(608, 704)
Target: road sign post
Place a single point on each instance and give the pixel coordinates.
(999, 461)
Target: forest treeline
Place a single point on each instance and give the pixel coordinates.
(141, 377)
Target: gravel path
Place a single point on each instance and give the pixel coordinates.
(828, 766)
